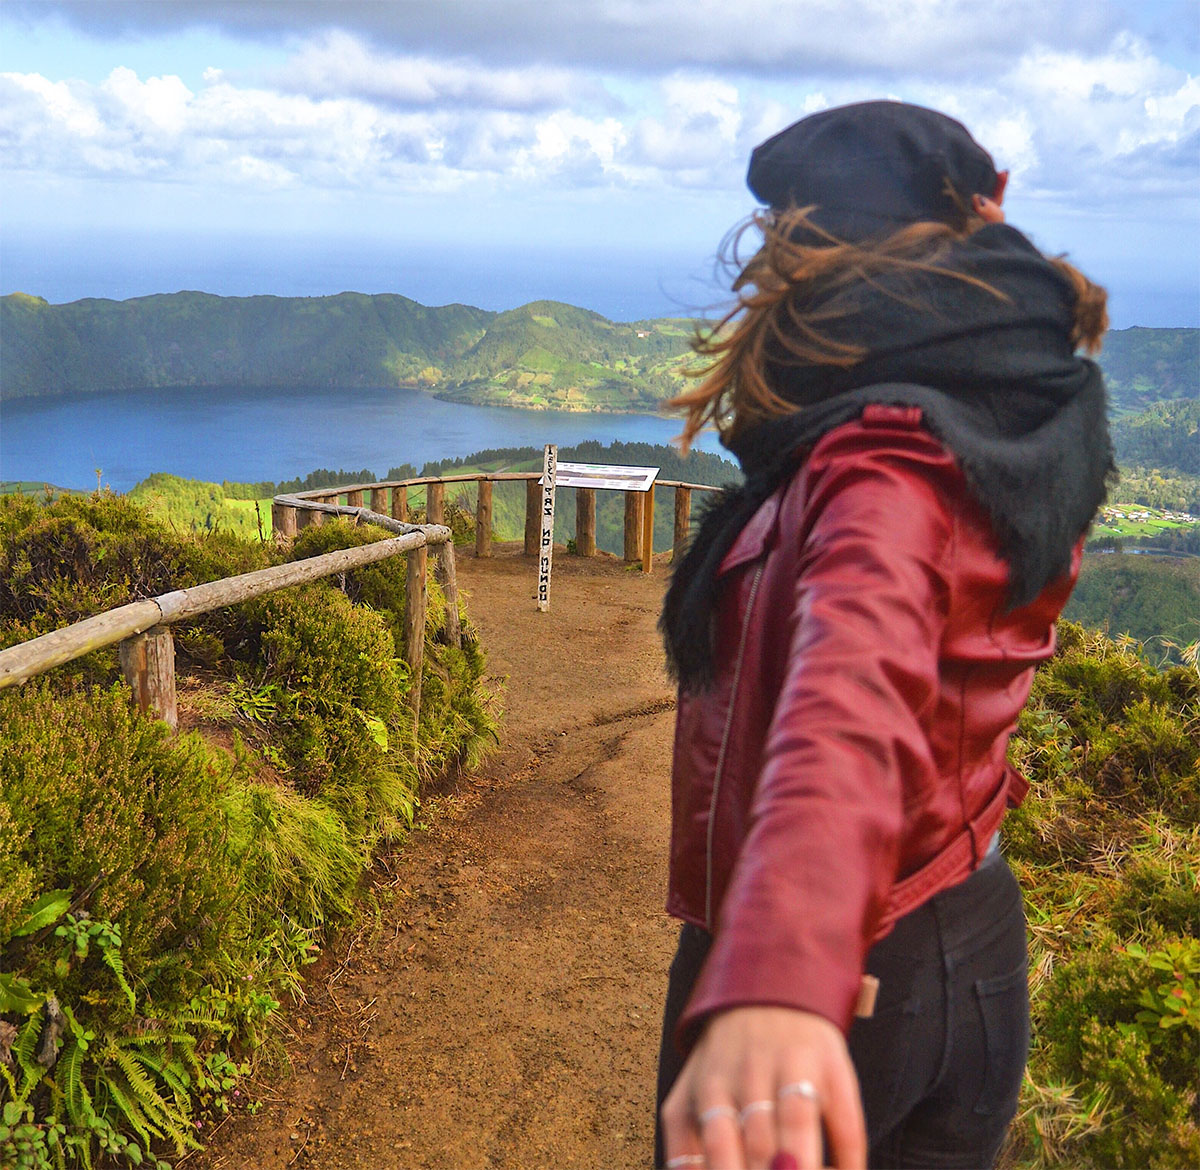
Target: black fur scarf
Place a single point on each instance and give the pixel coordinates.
(999, 384)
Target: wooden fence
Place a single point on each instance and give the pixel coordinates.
(287, 516)
(143, 628)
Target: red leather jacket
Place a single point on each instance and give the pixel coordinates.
(850, 760)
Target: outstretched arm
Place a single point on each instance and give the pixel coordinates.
(812, 879)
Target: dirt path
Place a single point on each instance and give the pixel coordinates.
(503, 1012)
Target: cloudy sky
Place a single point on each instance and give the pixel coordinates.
(497, 151)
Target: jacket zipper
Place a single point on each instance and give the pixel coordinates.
(733, 690)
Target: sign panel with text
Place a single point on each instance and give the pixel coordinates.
(610, 478)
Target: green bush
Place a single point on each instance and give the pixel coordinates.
(159, 895)
(1107, 847)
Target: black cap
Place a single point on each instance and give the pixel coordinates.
(872, 167)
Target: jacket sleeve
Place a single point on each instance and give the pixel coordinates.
(868, 611)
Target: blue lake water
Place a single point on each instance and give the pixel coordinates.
(247, 436)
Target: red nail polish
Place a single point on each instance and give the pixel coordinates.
(784, 1161)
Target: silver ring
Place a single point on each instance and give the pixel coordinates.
(715, 1112)
(804, 1089)
(755, 1107)
(686, 1160)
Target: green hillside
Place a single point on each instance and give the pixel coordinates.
(540, 356)
(1142, 366)
(549, 355)
(1154, 600)
(196, 339)
(189, 505)
(1171, 491)
(1166, 436)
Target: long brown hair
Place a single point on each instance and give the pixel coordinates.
(789, 291)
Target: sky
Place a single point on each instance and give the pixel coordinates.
(494, 152)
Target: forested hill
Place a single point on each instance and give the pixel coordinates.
(1143, 366)
(542, 355)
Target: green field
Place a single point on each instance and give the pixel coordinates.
(27, 487)
(1135, 520)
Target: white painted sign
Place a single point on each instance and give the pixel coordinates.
(597, 475)
(546, 551)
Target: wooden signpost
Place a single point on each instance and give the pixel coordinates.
(585, 478)
(546, 551)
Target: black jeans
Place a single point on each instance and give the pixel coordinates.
(940, 1062)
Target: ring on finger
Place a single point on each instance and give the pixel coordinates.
(804, 1089)
(686, 1160)
(715, 1112)
(755, 1107)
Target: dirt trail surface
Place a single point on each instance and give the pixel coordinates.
(503, 1011)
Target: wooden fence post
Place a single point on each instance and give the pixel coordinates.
(400, 504)
(683, 520)
(354, 499)
(416, 602)
(648, 530)
(435, 503)
(306, 517)
(283, 520)
(483, 519)
(633, 526)
(585, 521)
(379, 500)
(148, 663)
(449, 576)
(533, 517)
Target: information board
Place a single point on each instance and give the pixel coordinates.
(598, 475)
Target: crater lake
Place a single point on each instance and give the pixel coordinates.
(245, 435)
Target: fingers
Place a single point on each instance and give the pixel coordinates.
(800, 1122)
(759, 1139)
(712, 1132)
(704, 1131)
(845, 1125)
(758, 1092)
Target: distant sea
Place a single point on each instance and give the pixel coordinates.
(248, 436)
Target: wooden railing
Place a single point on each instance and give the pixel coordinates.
(288, 513)
(143, 628)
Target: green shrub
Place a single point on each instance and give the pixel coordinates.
(1107, 847)
(110, 802)
(158, 895)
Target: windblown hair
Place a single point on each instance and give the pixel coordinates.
(801, 279)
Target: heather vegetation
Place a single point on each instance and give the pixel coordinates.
(159, 894)
(1107, 847)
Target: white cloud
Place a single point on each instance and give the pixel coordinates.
(954, 38)
(341, 115)
(338, 64)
